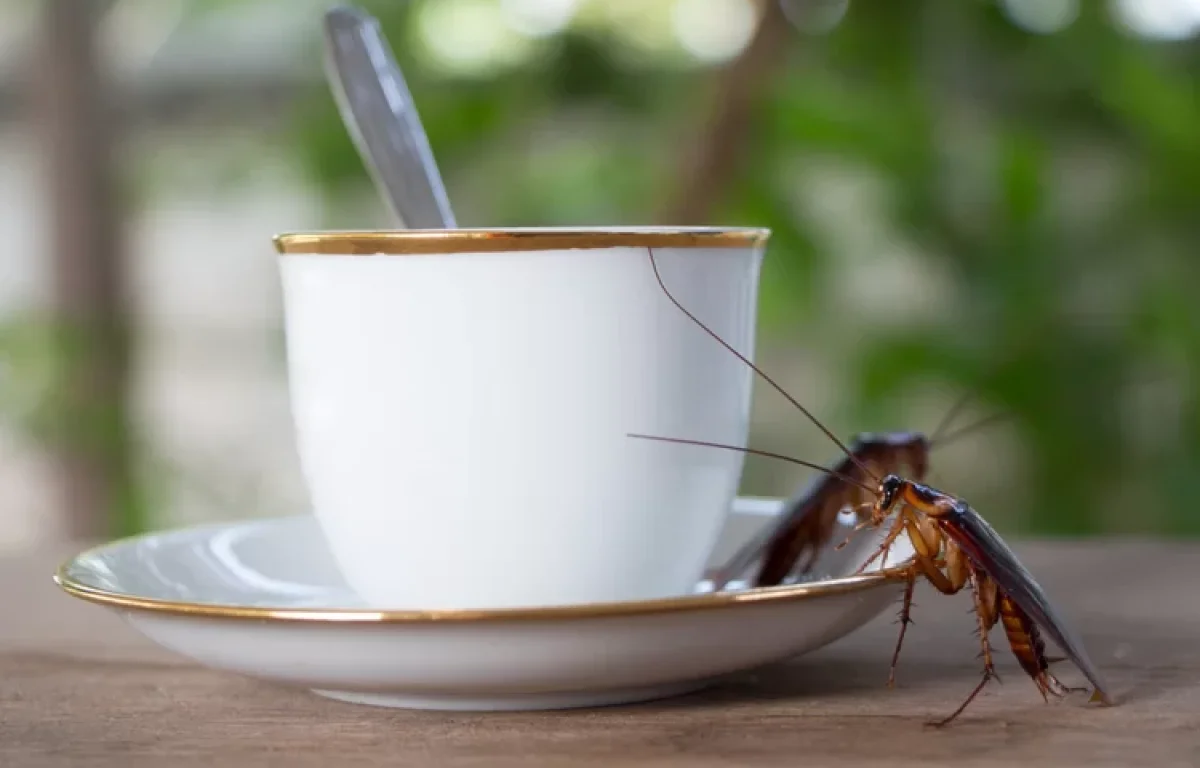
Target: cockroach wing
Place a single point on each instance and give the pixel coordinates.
(970, 531)
(794, 511)
(741, 560)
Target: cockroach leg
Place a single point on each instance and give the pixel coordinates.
(1096, 697)
(946, 721)
(884, 550)
(985, 609)
(897, 528)
(927, 552)
(1047, 682)
(984, 590)
(927, 544)
(868, 523)
(905, 620)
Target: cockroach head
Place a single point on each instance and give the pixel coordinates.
(889, 490)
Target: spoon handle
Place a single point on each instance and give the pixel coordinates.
(381, 118)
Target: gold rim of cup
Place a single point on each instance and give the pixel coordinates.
(499, 240)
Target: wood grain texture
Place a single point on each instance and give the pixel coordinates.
(80, 688)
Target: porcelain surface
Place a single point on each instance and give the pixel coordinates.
(265, 599)
(441, 392)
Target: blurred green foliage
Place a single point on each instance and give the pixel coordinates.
(48, 392)
(1051, 181)
(957, 204)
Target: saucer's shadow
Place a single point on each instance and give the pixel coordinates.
(811, 679)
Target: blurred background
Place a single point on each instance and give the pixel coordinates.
(989, 197)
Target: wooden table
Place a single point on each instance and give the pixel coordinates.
(79, 687)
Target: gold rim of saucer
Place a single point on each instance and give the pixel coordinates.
(507, 239)
(692, 602)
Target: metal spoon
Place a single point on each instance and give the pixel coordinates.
(380, 116)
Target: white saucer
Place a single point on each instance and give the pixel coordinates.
(263, 598)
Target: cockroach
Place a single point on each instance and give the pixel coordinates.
(953, 546)
(808, 519)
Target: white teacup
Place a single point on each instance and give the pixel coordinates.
(463, 399)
